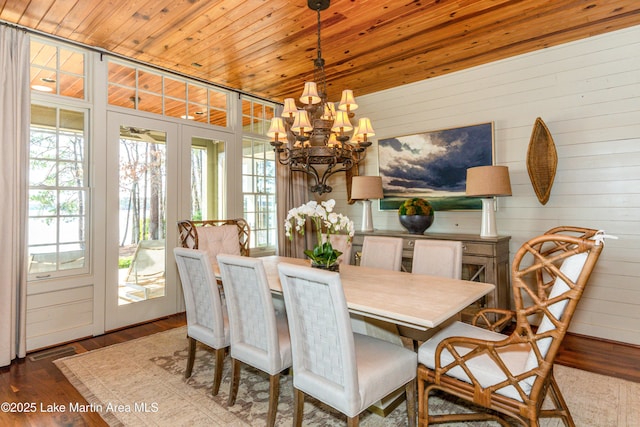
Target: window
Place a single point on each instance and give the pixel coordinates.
(259, 191)
(259, 173)
(58, 192)
(57, 69)
(152, 91)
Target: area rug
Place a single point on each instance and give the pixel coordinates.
(141, 383)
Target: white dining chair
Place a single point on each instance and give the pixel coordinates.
(207, 320)
(345, 370)
(341, 242)
(442, 258)
(259, 336)
(382, 252)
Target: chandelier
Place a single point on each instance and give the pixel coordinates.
(317, 134)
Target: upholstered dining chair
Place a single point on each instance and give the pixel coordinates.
(345, 370)
(342, 243)
(510, 375)
(382, 252)
(259, 336)
(442, 258)
(216, 236)
(207, 320)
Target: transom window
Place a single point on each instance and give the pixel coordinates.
(57, 69)
(152, 91)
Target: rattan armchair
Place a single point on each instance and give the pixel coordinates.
(189, 232)
(510, 375)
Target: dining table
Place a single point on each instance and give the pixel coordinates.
(417, 301)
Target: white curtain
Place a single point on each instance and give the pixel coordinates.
(14, 145)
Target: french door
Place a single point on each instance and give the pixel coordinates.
(142, 164)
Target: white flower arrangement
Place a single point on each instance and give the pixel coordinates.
(325, 221)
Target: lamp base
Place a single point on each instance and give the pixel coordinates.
(488, 228)
(367, 218)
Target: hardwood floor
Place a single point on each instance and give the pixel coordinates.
(38, 381)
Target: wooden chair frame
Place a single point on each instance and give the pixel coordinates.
(533, 281)
(189, 232)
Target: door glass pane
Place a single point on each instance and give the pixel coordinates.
(207, 179)
(142, 219)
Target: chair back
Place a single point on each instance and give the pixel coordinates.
(341, 242)
(441, 258)
(206, 317)
(549, 274)
(191, 238)
(322, 342)
(252, 318)
(382, 252)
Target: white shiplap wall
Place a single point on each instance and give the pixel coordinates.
(588, 94)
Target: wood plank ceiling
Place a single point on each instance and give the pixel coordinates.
(266, 47)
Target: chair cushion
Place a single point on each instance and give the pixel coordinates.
(222, 239)
(381, 366)
(486, 371)
(571, 267)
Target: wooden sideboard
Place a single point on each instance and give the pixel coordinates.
(483, 260)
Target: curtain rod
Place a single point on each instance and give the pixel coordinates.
(125, 58)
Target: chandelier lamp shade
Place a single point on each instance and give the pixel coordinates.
(315, 137)
(488, 182)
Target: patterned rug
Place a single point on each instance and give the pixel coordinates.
(141, 383)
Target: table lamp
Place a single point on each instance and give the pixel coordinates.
(488, 182)
(365, 188)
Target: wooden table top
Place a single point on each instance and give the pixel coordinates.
(418, 301)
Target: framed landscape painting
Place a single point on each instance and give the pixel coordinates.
(433, 166)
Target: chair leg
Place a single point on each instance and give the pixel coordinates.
(423, 403)
(191, 357)
(274, 393)
(410, 391)
(235, 382)
(353, 421)
(562, 409)
(298, 407)
(217, 376)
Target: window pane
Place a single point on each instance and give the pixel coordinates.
(42, 203)
(71, 229)
(42, 231)
(71, 202)
(42, 172)
(150, 82)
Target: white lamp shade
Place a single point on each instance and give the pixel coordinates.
(310, 94)
(488, 181)
(364, 129)
(290, 108)
(301, 122)
(341, 123)
(277, 128)
(366, 187)
(347, 102)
